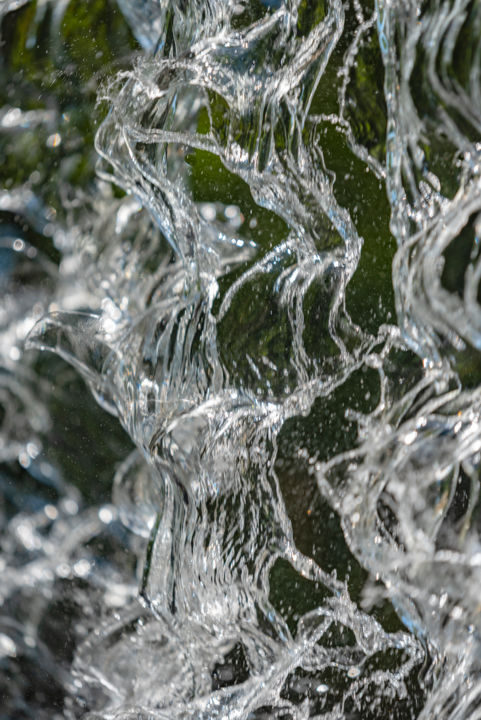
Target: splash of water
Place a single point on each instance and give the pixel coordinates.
(270, 398)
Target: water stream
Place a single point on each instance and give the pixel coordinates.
(252, 231)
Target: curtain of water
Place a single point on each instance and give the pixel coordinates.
(270, 278)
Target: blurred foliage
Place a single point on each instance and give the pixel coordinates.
(51, 67)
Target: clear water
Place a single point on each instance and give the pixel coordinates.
(253, 231)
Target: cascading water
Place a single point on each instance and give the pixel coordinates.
(265, 266)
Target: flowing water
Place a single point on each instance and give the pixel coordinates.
(252, 230)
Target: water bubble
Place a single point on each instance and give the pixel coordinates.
(7, 646)
(54, 140)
